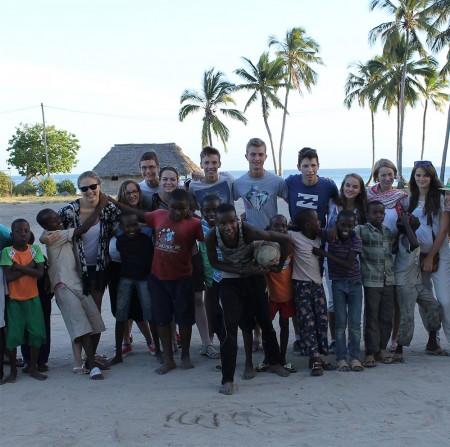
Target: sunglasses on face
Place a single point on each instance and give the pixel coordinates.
(422, 163)
(93, 187)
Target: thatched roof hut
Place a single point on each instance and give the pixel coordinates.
(122, 163)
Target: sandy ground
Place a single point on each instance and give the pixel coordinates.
(390, 405)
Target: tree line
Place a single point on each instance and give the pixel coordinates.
(404, 73)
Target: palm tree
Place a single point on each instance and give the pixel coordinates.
(410, 17)
(298, 52)
(440, 40)
(393, 70)
(215, 92)
(433, 92)
(264, 79)
(360, 86)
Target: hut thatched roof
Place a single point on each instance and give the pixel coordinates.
(123, 159)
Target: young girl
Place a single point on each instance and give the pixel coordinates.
(427, 204)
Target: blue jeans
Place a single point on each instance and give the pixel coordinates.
(124, 294)
(347, 297)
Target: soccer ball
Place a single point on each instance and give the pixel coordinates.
(266, 253)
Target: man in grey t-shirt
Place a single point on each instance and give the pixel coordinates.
(258, 188)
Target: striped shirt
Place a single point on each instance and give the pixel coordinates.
(341, 249)
(376, 255)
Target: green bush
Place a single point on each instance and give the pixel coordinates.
(66, 185)
(47, 187)
(5, 185)
(25, 189)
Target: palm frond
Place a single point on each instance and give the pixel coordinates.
(187, 110)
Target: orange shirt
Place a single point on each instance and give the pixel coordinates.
(25, 287)
(280, 284)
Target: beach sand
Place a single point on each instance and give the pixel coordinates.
(390, 405)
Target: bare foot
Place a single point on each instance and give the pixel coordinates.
(166, 367)
(282, 372)
(37, 375)
(227, 388)
(11, 378)
(186, 362)
(249, 372)
(114, 361)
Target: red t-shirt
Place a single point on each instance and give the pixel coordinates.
(174, 242)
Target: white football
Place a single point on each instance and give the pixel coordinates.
(266, 253)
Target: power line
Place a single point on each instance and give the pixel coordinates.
(18, 110)
(99, 113)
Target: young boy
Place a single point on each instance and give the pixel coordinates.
(409, 289)
(242, 288)
(5, 241)
(136, 253)
(149, 167)
(309, 295)
(281, 295)
(378, 280)
(80, 313)
(23, 265)
(213, 277)
(345, 274)
(208, 208)
(171, 284)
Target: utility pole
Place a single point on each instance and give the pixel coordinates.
(45, 142)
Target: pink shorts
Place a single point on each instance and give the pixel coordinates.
(286, 309)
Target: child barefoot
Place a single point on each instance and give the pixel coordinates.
(309, 295)
(281, 293)
(23, 265)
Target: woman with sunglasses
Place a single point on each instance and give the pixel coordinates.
(93, 246)
(130, 194)
(426, 202)
(395, 202)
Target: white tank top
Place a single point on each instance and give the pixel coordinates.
(91, 243)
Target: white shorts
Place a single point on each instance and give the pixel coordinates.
(79, 311)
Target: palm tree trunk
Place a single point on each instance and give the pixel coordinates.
(402, 114)
(423, 128)
(280, 153)
(269, 133)
(209, 134)
(444, 152)
(372, 117)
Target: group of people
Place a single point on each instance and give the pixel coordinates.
(174, 256)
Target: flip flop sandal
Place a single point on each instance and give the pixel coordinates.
(290, 367)
(96, 374)
(355, 365)
(262, 367)
(370, 363)
(386, 360)
(342, 366)
(438, 351)
(327, 366)
(210, 352)
(317, 369)
(398, 358)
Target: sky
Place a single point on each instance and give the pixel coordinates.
(112, 72)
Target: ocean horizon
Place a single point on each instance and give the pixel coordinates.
(337, 175)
